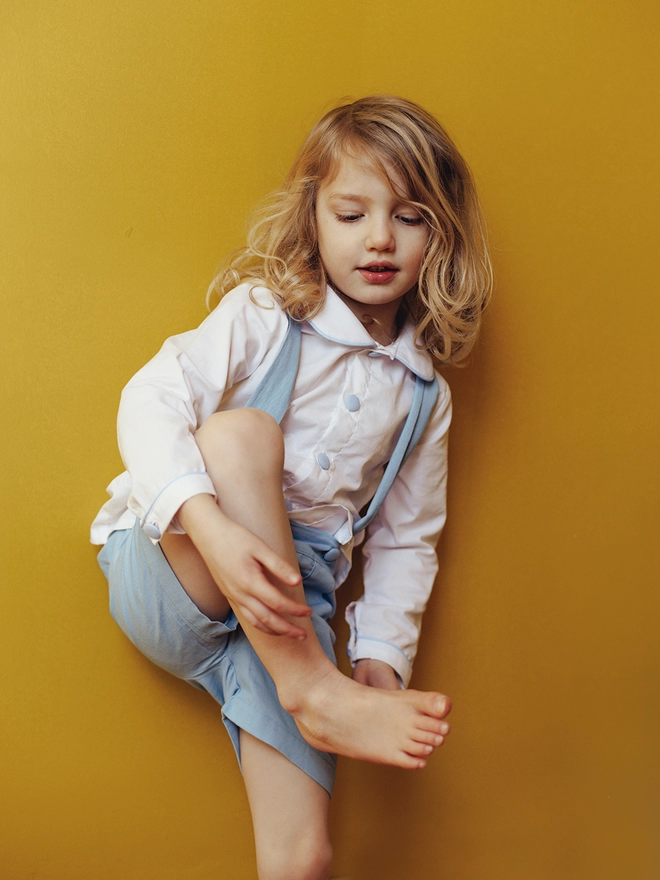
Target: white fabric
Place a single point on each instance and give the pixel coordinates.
(218, 366)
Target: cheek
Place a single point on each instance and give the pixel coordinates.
(331, 242)
(421, 249)
(327, 249)
(323, 233)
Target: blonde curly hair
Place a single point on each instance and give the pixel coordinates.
(392, 133)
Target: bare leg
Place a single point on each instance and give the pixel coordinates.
(289, 815)
(243, 452)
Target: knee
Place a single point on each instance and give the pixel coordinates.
(306, 860)
(242, 434)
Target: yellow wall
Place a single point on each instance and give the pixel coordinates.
(135, 137)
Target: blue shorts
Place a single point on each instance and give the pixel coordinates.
(158, 616)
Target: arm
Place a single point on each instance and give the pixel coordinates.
(166, 402)
(400, 562)
(162, 409)
(243, 567)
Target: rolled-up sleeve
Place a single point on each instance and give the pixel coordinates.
(169, 399)
(400, 562)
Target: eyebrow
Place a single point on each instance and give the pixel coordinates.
(353, 197)
(349, 197)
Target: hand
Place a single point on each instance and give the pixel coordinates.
(251, 576)
(376, 673)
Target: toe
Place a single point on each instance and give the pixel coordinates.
(428, 738)
(419, 750)
(441, 706)
(408, 761)
(432, 704)
(432, 725)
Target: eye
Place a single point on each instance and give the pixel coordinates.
(348, 218)
(408, 220)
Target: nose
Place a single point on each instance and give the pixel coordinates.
(380, 235)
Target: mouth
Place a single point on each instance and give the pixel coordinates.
(378, 273)
(379, 267)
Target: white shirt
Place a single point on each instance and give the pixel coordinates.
(349, 404)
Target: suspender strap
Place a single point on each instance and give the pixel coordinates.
(274, 395)
(426, 394)
(274, 392)
(429, 397)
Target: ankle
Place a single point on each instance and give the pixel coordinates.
(305, 692)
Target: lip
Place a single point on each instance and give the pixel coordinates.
(378, 272)
(378, 264)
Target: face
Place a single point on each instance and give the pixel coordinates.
(371, 242)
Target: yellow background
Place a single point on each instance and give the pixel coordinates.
(135, 136)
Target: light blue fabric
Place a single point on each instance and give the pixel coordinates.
(154, 611)
(274, 392)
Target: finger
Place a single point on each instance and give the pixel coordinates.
(285, 629)
(279, 567)
(274, 599)
(289, 607)
(253, 620)
(270, 622)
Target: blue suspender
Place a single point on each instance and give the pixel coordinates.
(274, 395)
(426, 394)
(275, 389)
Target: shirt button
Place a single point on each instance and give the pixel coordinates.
(331, 555)
(152, 530)
(323, 460)
(352, 402)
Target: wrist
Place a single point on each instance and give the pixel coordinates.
(201, 518)
(376, 673)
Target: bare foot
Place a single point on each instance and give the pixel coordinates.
(401, 728)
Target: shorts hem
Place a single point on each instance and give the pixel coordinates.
(239, 714)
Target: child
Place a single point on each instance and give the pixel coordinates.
(228, 534)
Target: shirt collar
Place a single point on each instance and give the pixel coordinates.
(335, 321)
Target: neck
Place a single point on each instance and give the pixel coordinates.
(378, 331)
(382, 322)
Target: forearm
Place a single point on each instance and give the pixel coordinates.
(234, 536)
(205, 524)
(385, 622)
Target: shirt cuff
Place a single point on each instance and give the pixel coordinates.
(364, 648)
(165, 505)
